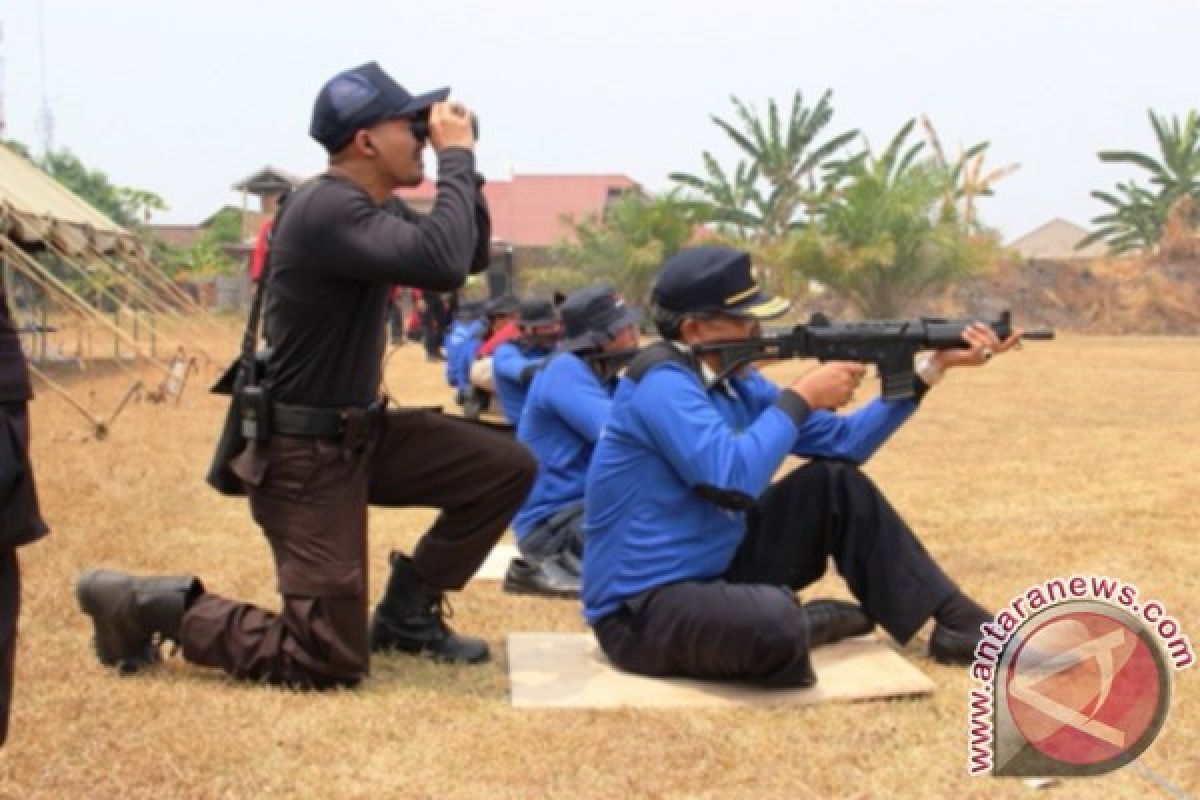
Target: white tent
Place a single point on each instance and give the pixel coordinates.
(75, 275)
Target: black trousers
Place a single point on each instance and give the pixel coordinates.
(10, 607)
(20, 523)
(433, 319)
(560, 533)
(748, 624)
(311, 495)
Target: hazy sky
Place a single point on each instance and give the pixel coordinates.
(186, 98)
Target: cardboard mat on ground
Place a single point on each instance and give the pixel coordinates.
(496, 564)
(568, 670)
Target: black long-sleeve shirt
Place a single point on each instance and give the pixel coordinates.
(335, 256)
(14, 375)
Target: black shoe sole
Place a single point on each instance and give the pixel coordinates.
(391, 646)
(533, 591)
(395, 648)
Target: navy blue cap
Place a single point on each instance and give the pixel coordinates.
(504, 304)
(714, 278)
(538, 312)
(359, 98)
(469, 310)
(593, 316)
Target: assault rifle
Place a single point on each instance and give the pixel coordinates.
(889, 344)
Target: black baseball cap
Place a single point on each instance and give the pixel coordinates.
(537, 312)
(504, 304)
(593, 316)
(359, 98)
(470, 310)
(714, 278)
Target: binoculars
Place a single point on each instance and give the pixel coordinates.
(420, 126)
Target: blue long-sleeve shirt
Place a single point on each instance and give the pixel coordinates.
(508, 371)
(565, 410)
(461, 343)
(667, 435)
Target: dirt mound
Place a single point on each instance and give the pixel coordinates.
(1117, 295)
(1102, 296)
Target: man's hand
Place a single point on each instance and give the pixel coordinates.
(983, 345)
(450, 126)
(829, 385)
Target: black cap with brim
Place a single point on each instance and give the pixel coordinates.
(594, 340)
(537, 313)
(593, 316)
(505, 304)
(359, 98)
(716, 279)
(422, 102)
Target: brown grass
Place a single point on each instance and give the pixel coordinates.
(1076, 456)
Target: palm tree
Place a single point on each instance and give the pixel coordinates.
(1137, 216)
(883, 242)
(1177, 174)
(780, 181)
(1134, 222)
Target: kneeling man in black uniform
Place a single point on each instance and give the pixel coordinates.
(341, 242)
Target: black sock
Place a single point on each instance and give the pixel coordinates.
(961, 613)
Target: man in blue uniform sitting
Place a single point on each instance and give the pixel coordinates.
(693, 556)
(566, 408)
(461, 342)
(540, 330)
(475, 359)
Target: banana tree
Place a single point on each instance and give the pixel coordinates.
(780, 179)
(1136, 217)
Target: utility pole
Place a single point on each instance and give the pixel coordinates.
(46, 120)
(3, 117)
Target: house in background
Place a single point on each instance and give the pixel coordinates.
(533, 213)
(1056, 241)
(267, 185)
(530, 215)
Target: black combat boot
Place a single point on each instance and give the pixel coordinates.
(410, 618)
(133, 616)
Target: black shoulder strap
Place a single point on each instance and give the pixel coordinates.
(530, 372)
(655, 354)
(250, 337)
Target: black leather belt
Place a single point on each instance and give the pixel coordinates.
(330, 423)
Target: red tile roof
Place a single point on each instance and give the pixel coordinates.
(528, 210)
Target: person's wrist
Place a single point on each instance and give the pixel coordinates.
(930, 368)
(804, 393)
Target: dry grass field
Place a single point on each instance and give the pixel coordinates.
(1078, 456)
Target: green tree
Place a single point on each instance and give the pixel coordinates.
(1137, 216)
(207, 254)
(18, 148)
(781, 180)
(627, 247)
(125, 206)
(883, 242)
(1134, 221)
